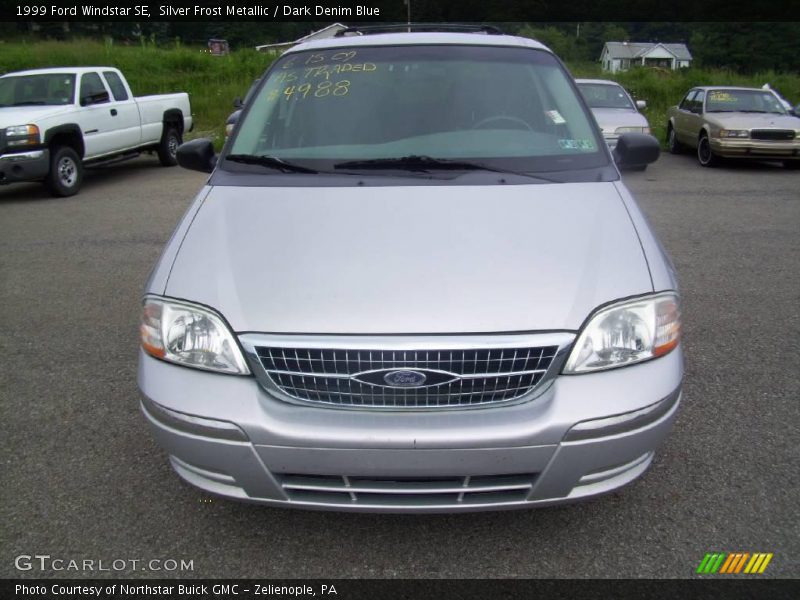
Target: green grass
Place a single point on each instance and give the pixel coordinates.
(214, 81)
(663, 88)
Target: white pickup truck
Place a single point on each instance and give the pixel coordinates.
(55, 122)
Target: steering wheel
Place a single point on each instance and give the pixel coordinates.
(509, 118)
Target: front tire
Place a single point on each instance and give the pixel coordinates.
(66, 172)
(706, 156)
(673, 144)
(168, 147)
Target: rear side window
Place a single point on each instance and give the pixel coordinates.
(117, 87)
(92, 89)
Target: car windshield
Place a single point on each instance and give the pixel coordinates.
(758, 101)
(603, 95)
(508, 108)
(32, 90)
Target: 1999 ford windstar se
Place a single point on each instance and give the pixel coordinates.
(413, 282)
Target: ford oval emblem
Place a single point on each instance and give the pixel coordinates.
(405, 378)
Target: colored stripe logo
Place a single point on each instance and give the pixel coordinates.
(734, 563)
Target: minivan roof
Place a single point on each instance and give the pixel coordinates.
(418, 38)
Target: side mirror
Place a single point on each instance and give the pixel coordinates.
(640, 104)
(636, 150)
(237, 103)
(197, 155)
(98, 98)
(233, 118)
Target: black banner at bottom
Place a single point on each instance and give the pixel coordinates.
(406, 589)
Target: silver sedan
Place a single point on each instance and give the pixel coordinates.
(614, 109)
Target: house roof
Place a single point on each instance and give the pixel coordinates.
(637, 49)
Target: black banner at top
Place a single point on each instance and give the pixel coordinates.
(385, 11)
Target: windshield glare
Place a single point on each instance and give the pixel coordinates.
(743, 101)
(603, 95)
(509, 107)
(32, 90)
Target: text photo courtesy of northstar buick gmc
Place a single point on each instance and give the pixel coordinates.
(413, 282)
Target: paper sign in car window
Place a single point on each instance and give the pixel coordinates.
(555, 117)
(721, 97)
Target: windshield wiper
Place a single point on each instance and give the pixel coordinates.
(424, 163)
(270, 161)
(29, 103)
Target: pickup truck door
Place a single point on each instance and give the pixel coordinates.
(94, 115)
(124, 112)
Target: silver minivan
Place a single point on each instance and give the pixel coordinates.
(413, 282)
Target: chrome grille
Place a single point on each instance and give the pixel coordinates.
(772, 134)
(464, 377)
(407, 491)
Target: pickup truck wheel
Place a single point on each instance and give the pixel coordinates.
(168, 148)
(672, 142)
(66, 172)
(705, 155)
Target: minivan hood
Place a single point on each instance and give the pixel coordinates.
(26, 115)
(416, 259)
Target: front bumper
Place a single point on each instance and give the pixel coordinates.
(733, 148)
(32, 165)
(582, 436)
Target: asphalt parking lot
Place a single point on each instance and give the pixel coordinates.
(82, 477)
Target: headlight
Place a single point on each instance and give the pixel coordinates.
(627, 332)
(22, 135)
(189, 335)
(632, 130)
(734, 133)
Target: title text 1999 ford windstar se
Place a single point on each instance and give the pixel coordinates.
(413, 282)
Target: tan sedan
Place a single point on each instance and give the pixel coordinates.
(734, 122)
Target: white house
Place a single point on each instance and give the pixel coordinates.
(621, 56)
(326, 32)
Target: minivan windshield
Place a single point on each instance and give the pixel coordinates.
(504, 107)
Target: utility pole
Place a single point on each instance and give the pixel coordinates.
(408, 13)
